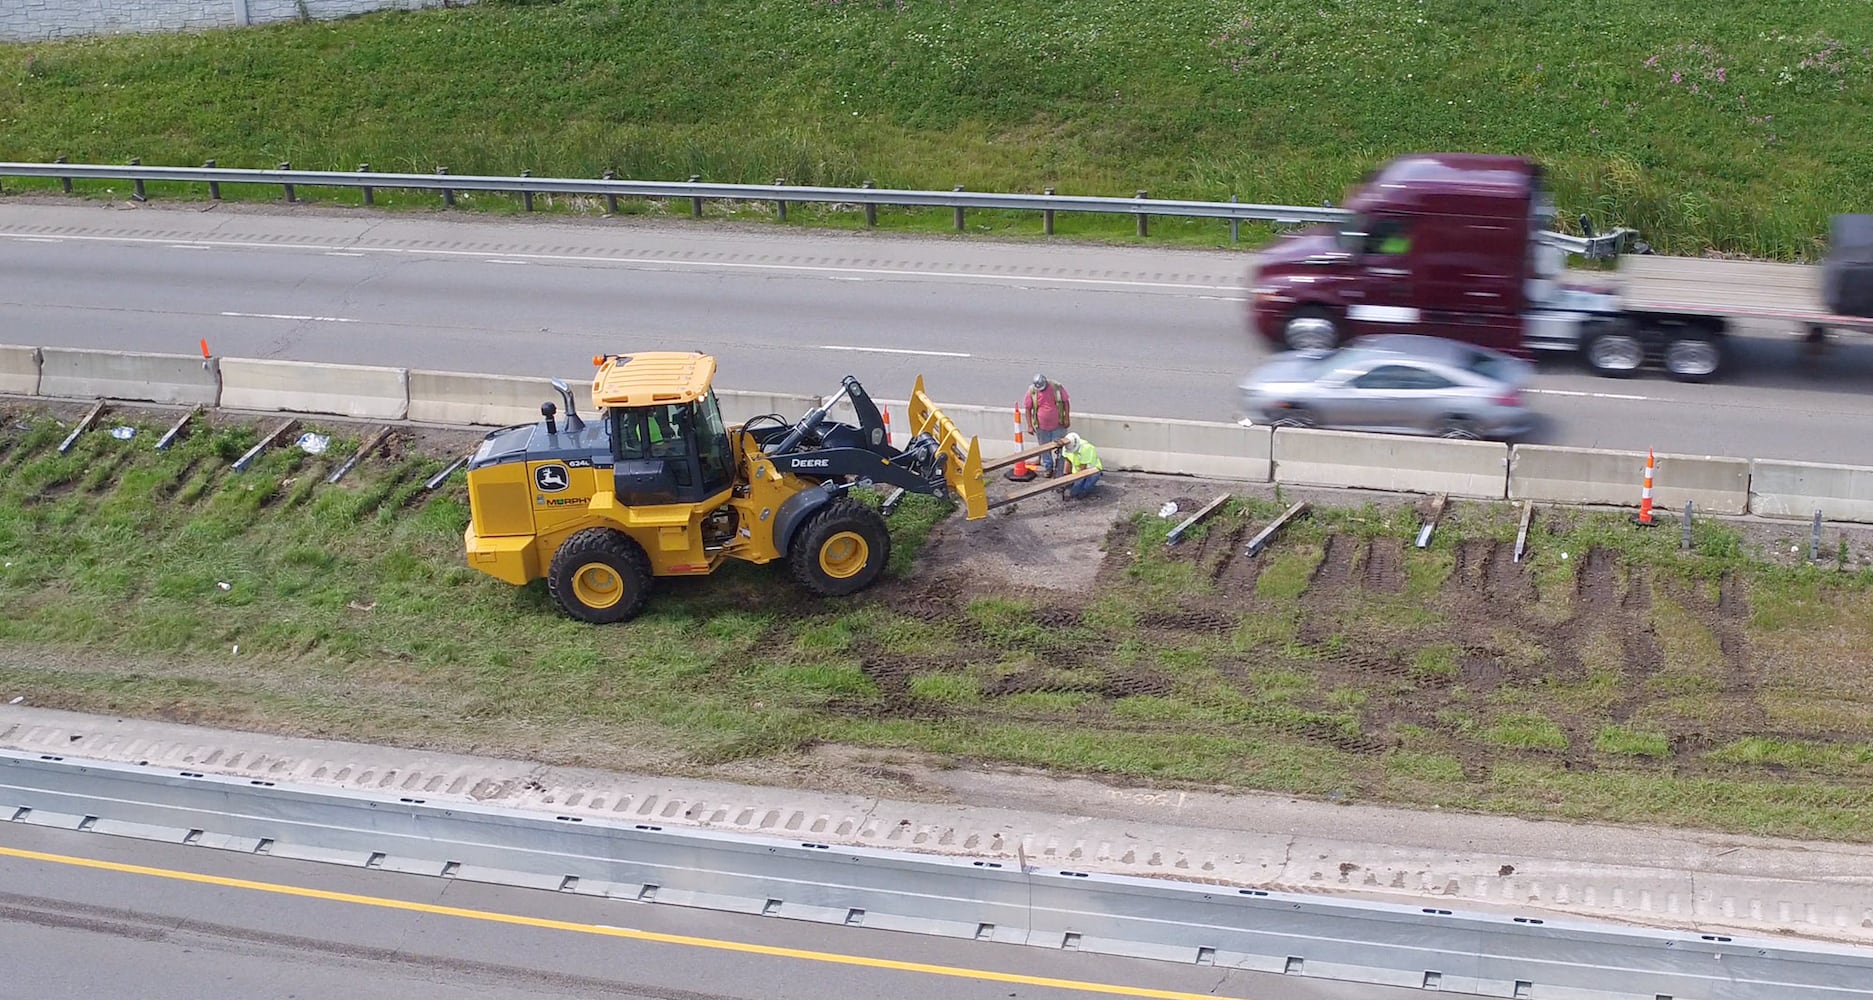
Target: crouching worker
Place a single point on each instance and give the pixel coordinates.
(1080, 455)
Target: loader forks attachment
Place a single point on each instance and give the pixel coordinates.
(961, 456)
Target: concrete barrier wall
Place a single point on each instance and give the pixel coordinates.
(154, 378)
(1798, 489)
(739, 406)
(19, 370)
(299, 387)
(1588, 476)
(1391, 462)
(487, 400)
(1180, 447)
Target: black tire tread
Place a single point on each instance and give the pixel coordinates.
(625, 555)
(843, 514)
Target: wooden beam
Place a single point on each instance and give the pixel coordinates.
(1521, 532)
(1264, 536)
(364, 449)
(176, 429)
(83, 426)
(1177, 533)
(1035, 452)
(1036, 489)
(241, 464)
(1437, 513)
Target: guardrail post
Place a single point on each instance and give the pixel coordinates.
(1235, 225)
(959, 212)
(65, 183)
(1047, 214)
(1144, 226)
(291, 196)
(1684, 542)
(780, 207)
(526, 197)
(871, 210)
(137, 182)
(448, 196)
(1814, 540)
(365, 168)
(611, 200)
(214, 187)
(695, 204)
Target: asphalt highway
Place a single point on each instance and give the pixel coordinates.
(1130, 330)
(93, 915)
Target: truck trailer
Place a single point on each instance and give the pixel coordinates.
(1460, 245)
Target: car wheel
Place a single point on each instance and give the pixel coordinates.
(1297, 417)
(1311, 328)
(1458, 428)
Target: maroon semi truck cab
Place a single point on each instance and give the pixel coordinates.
(1436, 243)
(1455, 245)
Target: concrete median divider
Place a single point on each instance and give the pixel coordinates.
(362, 391)
(1179, 447)
(19, 370)
(1798, 489)
(487, 400)
(155, 378)
(1392, 462)
(740, 406)
(1588, 476)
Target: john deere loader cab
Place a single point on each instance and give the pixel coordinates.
(659, 484)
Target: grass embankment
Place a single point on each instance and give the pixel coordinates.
(1628, 681)
(1702, 123)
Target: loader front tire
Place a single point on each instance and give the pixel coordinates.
(601, 576)
(841, 550)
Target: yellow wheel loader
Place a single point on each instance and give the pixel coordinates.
(658, 484)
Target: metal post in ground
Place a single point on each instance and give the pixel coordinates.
(448, 196)
(290, 196)
(959, 212)
(871, 210)
(1814, 539)
(1144, 224)
(611, 200)
(1047, 215)
(214, 187)
(369, 192)
(1235, 225)
(526, 197)
(695, 204)
(137, 183)
(1684, 542)
(780, 206)
(65, 183)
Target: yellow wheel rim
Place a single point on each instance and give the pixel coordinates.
(597, 585)
(844, 555)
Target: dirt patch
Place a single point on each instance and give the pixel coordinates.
(1384, 568)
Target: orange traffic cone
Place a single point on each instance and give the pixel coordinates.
(1020, 473)
(1644, 517)
(887, 425)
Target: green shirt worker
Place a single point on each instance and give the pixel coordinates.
(1080, 455)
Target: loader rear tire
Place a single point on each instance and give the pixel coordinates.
(841, 550)
(601, 576)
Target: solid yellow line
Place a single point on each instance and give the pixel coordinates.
(687, 941)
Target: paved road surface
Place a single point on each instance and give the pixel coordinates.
(69, 929)
(1141, 331)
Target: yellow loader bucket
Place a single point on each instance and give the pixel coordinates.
(963, 471)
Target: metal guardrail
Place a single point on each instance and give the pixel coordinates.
(697, 192)
(1189, 923)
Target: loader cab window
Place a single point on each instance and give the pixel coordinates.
(712, 445)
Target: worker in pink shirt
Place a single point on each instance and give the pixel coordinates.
(1049, 414)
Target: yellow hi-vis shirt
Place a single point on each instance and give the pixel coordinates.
(1082, 458)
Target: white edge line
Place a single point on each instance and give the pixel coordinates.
(288, 316)
(896, 350)
(1594, 395)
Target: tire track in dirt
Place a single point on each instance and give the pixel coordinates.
(1383, 570)
(1725, 618)
(1334, 572)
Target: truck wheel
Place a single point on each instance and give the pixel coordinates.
(1614, 354)
(601, 576)
(1311, 328)
(1694, 358)
(841, 550)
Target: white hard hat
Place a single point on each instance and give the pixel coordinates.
(1072, 439)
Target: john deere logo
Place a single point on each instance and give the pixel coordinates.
(551, 478)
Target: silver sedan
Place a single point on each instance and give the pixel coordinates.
(1397, 383)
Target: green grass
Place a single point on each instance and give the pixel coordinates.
(167, 585)
(1703, 124)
